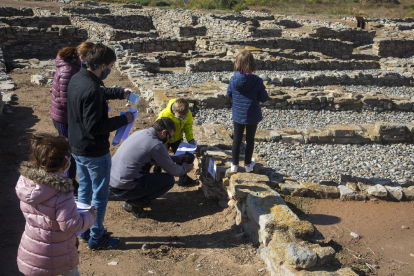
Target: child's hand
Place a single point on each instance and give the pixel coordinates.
(193, 142)
(93, 211)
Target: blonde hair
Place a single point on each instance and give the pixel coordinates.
(84, 47)
(245, 62)
(181, 106)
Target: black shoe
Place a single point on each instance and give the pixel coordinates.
(85, 236)
(138, 212)
(103, 242)
(186, 181)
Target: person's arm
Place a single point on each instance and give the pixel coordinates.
(229, 89)
(68, 217)
(92, 116)
(113, 93)
(188, 127)
(263, 96)
(160, 155)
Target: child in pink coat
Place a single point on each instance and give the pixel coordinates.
(49, 244)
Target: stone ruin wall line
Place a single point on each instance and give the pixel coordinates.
(332, 48)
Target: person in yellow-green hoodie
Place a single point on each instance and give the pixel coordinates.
(179, 111)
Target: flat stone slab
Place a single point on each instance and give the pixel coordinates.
(7, 85)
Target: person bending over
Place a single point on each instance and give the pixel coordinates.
(179, 111)
(131, 179)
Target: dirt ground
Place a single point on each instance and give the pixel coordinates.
(185, 233)
(385, 230)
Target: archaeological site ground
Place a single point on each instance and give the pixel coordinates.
(333, 190)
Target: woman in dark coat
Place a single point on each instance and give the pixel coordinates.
(68, 62)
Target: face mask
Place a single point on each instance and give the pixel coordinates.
(165, 139)
(83, 65)
(105, 73)
(179, 118)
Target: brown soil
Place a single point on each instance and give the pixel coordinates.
(185, 233)
(385, 229)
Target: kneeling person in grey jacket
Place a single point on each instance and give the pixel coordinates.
(130, 173)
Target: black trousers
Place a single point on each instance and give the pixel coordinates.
(237, 140)
(62, 128)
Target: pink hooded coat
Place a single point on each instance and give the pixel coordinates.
(48, 245)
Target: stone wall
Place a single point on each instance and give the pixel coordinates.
(33, 42)
(279, 64)
(264, 216)
(236, 27)
(9, 12)
(126, 22)
(400, 48)
(39, 22)
(354, 35)
(84, 11)
(333, 48)
(148, 45)
(107, 32)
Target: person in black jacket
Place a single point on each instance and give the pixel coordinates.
(88, 133)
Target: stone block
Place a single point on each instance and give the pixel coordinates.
(325, 254)
(301, 229)
(293, 189)
(409, 195)
(274, 254)
(395, 193)
(269, 211)
(377, 191)
(299, 139)
(38, 79)
(344, 130)
(242, 184)
(390, 128)
(300, 258)
(346, 193)
(317, 191)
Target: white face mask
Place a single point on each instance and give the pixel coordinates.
(179, 118)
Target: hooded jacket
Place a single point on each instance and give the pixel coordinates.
(185, 125)
(247, 91)
(66, 69)
(48, 245)
(88, 122)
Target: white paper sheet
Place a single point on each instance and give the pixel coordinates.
(82, 208)
(183, 147)
(212, 169)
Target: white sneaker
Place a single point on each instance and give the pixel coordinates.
(249, 167)
(234, 168)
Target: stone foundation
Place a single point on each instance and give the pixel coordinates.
(279, 64)
(38, 22)
(400, 48)
(38, 42)
(355, 35)
(264, 216)
(9, 12)
(332, 48)
(148, 45)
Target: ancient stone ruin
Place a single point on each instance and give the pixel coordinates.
(334, 90)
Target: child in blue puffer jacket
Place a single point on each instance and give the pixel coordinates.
(246, 90)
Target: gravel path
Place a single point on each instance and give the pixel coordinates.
(277, 119)
(313, 162)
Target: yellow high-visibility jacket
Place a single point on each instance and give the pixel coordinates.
(185, 125)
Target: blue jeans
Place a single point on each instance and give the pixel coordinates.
(149, 187)
(93, 176)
